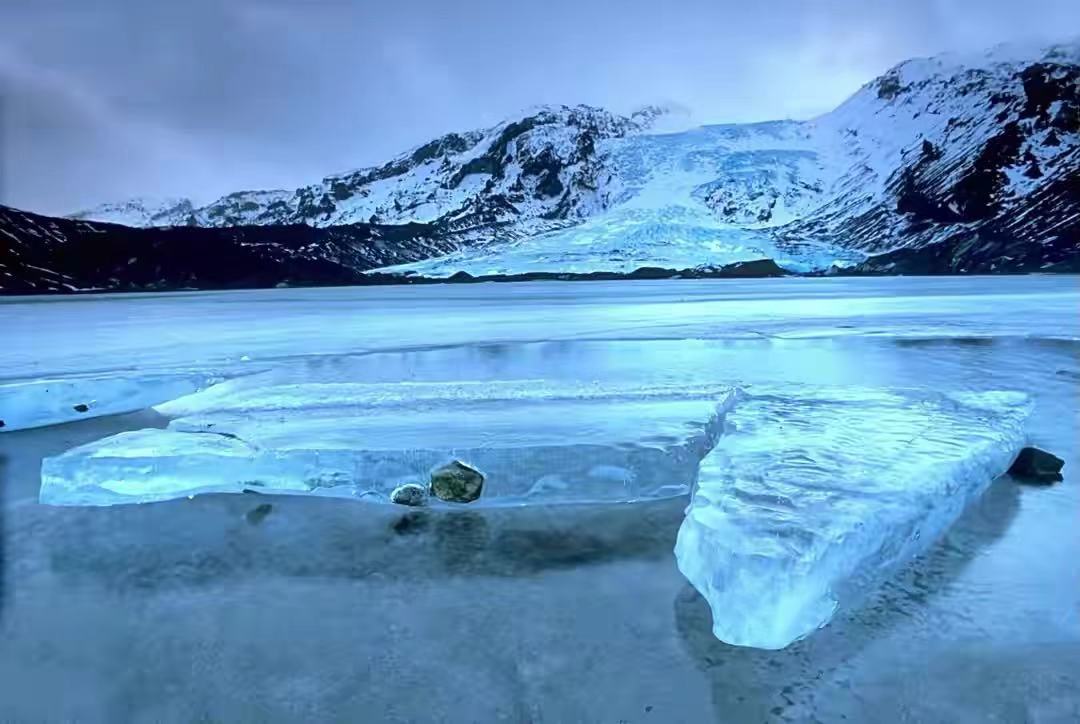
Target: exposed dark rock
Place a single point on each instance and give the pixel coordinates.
(340, 191)
(888, 87)
(448, 144)
(487, 164)
(1046, 84)
(413, 494)
(921, 205)
(930, 152)
(2, 423)
(42, 254)
(457, 482)
(757, 268)
(550, 185)
(651, 272)
(81, 408)
(978, 194)
(1035, 465)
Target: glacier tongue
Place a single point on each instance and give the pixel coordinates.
(819, 493)
(534, 441)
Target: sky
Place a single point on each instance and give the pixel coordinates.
(105, 100)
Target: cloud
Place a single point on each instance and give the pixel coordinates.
(116, 98)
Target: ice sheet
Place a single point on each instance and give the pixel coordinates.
(534, 442)
(819, 493)
(36, 403)
(218, 329)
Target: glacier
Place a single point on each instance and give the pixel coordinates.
(534, 442)
(817, 494)
(708, 196)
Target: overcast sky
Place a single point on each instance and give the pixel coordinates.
(108, 99)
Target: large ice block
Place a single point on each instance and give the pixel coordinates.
(533, 441)
(817, 494)
(37, 403)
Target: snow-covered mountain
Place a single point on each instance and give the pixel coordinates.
(945, 164)
(142, 211)
(543, 165)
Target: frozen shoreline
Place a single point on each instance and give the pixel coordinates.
(186, 609)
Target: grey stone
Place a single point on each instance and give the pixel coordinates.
(457, 482)
(409, 494)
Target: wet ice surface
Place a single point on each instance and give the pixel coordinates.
(36, 403)
(188, 610)
(232, 331)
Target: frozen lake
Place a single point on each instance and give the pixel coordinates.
(59, 335)
(194, 609)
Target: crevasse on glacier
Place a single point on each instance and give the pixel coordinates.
(803, 496)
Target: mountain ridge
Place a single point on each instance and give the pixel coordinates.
(978, 154)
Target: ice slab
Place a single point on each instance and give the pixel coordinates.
(38, 403)
(535, 442)
(287, 391)
(819, 493)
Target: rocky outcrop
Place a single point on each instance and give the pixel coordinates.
(969, 165)
(40, 254)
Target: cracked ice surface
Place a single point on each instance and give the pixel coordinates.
(819, 493)
(535, 442)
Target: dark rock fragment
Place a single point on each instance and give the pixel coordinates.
(409, 494)
(1038, 466)
(457, 482)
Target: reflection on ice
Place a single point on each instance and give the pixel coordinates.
(818, 493)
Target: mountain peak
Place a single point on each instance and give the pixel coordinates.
(140, 211)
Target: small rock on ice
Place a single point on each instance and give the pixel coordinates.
(457, 482)
(409, 494)
(1037, 465)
